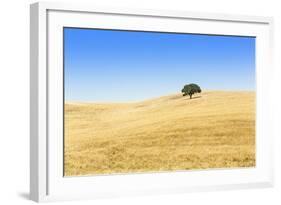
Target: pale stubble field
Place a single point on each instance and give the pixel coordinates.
(216, 129)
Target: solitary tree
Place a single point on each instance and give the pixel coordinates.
(190, 89)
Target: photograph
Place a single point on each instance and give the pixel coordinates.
(149, 102)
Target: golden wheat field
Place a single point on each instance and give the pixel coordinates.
(215, 129)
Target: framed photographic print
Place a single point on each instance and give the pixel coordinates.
(130, 102)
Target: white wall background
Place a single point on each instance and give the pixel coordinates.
(14, 101)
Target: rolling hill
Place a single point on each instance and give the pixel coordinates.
(215, 129)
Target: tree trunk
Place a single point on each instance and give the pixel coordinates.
(190, 96)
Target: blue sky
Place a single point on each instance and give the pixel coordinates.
(125, 66)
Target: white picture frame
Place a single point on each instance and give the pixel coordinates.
(46, 143)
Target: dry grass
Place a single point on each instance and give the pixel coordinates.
(215, 130)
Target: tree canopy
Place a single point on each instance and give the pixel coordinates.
(191, 89)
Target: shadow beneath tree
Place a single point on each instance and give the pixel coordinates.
(194, 97)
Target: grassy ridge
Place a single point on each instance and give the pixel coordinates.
(214, 130)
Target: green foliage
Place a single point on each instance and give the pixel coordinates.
(191, 89)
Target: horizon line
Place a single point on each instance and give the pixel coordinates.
(146, 99)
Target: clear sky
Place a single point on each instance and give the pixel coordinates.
(124, 66)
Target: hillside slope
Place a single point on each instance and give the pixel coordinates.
(216, 129)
